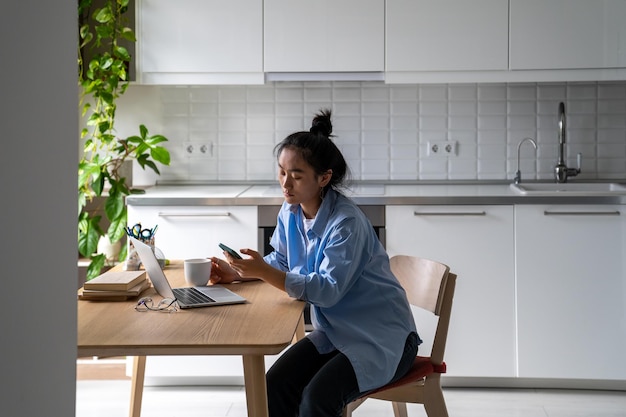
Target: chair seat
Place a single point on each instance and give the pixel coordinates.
(421, 368)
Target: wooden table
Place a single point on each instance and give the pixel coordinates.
(265, 325)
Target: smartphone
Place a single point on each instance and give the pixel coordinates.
(230, 251)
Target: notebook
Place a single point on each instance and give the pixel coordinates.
(187, 297)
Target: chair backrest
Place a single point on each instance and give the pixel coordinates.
(429, 285)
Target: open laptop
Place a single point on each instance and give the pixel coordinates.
(187, 297)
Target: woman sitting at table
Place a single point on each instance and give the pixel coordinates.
(327, 253)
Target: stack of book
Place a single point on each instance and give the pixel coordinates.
(115, 286)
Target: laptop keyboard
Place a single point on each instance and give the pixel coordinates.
(190, 295)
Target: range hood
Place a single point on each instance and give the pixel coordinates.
(325, 76)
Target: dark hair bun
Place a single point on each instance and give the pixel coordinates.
(321, 124)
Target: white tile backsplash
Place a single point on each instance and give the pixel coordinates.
(383, 130)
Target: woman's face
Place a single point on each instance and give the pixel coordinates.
(299, 182)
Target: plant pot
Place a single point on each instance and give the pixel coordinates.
(110, 250)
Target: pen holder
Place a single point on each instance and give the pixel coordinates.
(132, 260)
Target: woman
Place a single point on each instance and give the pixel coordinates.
(327, 253)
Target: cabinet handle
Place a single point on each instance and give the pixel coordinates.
(449, 213)
(216, 214)
(582, 213)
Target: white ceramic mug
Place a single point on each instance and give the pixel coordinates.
(197, 271)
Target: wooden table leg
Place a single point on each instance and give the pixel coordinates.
(136, 392)
(256, 390)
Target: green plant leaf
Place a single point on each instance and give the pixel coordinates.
(148, 163)
(117, 229)
(122, 53)
(128, 34)
(103, 15)
(123, 253)
(96, 265)
(89, 233)
(156, 139)
(114, 205)
(160, 154)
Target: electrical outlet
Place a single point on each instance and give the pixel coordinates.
(202, 150)
(443, 148)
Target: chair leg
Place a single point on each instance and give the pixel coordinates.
(434, 403)
(347, 412)
(399, 409)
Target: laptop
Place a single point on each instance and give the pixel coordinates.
(187, 297)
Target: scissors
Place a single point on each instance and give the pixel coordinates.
(138, 233)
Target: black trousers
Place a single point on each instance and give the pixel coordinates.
(305, 383)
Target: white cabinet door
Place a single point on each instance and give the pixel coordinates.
(191, 232)
(446, 35)
(570, 291)
(568, 34)
(200, 41)
(324, 35)
(477, 243)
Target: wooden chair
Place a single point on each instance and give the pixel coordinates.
(430, 286)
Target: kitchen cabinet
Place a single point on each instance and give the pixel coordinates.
(446, 35)
(476, 242)
(571, 303)
(200, 42)
(324, 36)
(567, 34)
(195, 232)
(450, 41)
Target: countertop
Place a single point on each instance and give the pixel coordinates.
(365, 193)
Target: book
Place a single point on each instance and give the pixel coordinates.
(115, 280)
(113, 295)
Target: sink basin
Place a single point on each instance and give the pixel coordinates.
(569, 188)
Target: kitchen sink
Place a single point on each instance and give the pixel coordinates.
(570, 188)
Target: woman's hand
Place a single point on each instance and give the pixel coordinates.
(255, 267)
(252, 267)
(222, 272)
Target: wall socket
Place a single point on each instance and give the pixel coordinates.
(443, 148)
(198, 150)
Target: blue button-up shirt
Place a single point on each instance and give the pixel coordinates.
(341, 268)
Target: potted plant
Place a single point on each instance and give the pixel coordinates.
(104, 63)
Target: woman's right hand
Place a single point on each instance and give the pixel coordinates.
(222, 272)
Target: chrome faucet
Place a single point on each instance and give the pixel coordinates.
(518, 173)
(561, 171)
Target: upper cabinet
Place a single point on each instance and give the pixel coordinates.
(324, 36)
(400, 41)
(448, 41)
(446, 35)
(568, 34)
(200, 42)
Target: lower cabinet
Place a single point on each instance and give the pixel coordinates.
(571, 291)
(194, 232)
(477, 243)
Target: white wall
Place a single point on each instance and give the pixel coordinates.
(38, 160)
(384, 130)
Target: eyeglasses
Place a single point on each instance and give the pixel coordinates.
(167, 305)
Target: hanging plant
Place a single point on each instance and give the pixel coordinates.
(103, 63)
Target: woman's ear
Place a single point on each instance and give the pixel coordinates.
(324, 179)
